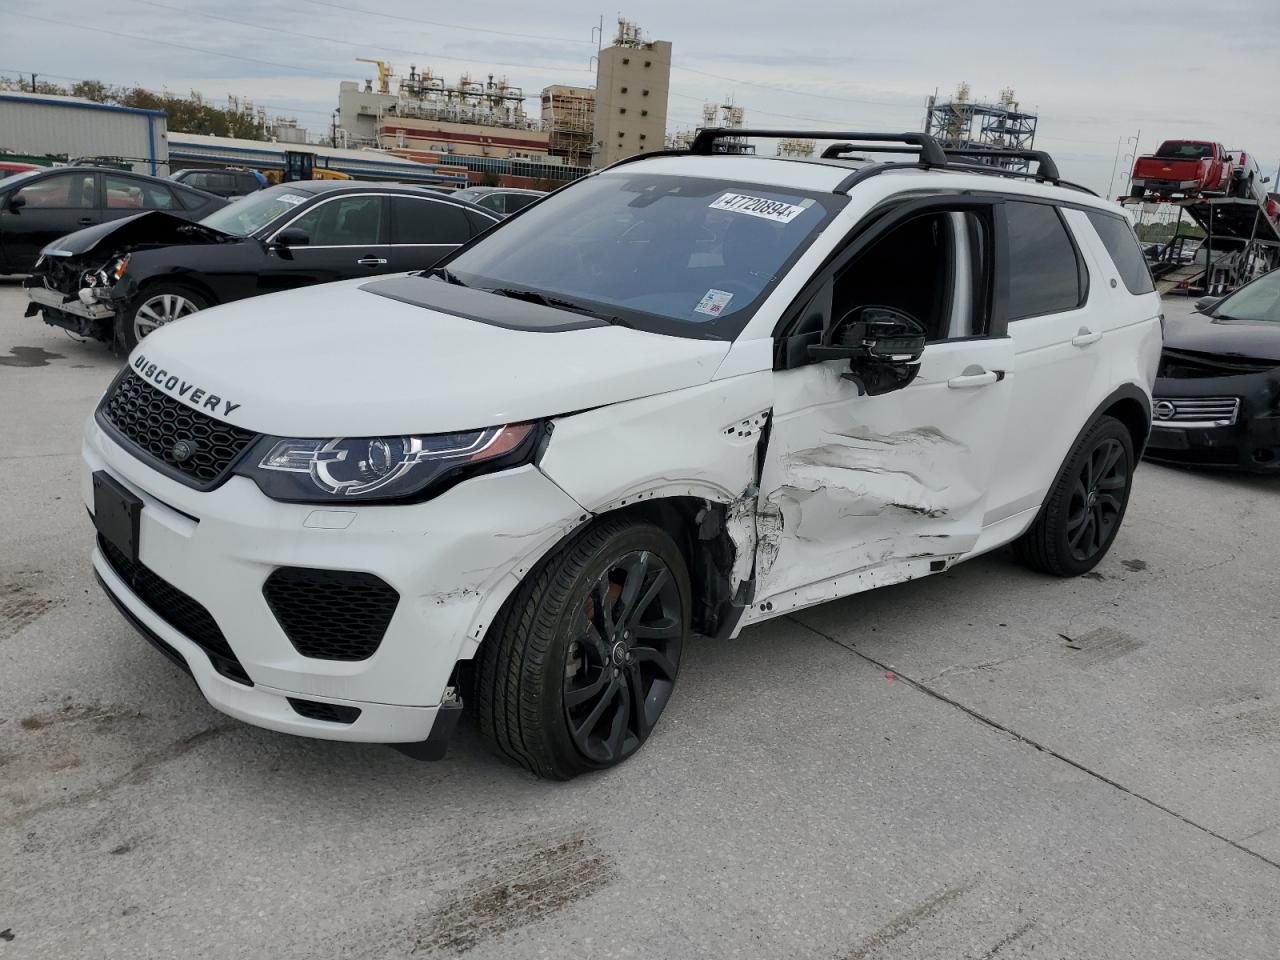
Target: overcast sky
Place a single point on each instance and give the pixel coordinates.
(1097, 71)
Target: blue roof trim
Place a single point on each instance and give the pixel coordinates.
(109, 107)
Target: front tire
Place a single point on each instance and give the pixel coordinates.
(583, 657)
(1084, 509)
(156, 306)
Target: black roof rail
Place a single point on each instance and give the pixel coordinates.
(930, 152)
(1046, 168)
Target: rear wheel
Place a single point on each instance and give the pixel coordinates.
(583, 658)
(1086, 505)
(157, 306)
(1138, 192)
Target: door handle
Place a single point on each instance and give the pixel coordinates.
(967, 381)
(1084, 337)
(371, 261)
(85, 221)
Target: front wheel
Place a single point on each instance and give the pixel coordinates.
(157, 306)
(1082, 514)
(583, 658)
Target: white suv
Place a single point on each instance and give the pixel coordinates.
(685, 394)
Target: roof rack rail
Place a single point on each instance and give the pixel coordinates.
(1046, 169)
(930, 152)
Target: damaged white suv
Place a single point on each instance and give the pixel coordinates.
(683, 395)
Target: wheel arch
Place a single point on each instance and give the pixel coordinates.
(700, 528)
(185, 279)
(1131, 405)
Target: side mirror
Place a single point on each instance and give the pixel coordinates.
(882, 344)
(1205, 305)
(292, 237)
(1266, 179)
(16, 202)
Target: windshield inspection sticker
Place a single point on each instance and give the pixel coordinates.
(713, 303)
(292, 199)
(774, 210)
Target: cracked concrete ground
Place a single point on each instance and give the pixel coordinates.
(1084, 768)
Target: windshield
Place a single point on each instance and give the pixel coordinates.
(471, 196)
(1260, 300)
(1179, 150)
(250, 214)
(680, 255)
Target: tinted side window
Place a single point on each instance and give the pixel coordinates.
(74, 190)
(479, 222)
(199, 180)
(126, 193)
(426, 221)
(1044, 275)
(1117, 236)
(345, 222)
(497, 202)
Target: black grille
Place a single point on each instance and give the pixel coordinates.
(185, 614)
(331, 614)
(328, 712)
(154, 421)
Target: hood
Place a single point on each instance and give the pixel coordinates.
(341, 360)
(152, 229)
(1254, 339)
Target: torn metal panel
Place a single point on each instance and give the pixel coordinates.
(851, 482)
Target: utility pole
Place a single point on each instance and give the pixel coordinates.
(33, 83)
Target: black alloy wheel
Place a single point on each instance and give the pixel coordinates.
(621, 666)
(1084, 508)
(1096, 506)
(581, 660)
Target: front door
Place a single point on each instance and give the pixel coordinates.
(44, 209)
(347, 238)
(857, 484)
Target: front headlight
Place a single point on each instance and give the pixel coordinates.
(380, 469)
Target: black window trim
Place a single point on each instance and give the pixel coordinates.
(894, 212)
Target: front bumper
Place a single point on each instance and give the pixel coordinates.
(81, 306)
(1251, 443)
(451, 560)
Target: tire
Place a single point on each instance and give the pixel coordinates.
(556, 678)
(1086, 504)
(1138, 192)
(156, 305)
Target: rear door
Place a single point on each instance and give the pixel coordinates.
(348, 237)
(423, 230)
(857, 485)
(1058, 324)
(47, 208)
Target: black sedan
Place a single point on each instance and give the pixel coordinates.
(118, 282)
(1217, 395)
(38, 207)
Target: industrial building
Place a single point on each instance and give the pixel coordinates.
(569, 117)
(961, 123)
(70, 128)
(632, 84)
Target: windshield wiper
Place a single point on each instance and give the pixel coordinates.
(447, 275)
(535, 296)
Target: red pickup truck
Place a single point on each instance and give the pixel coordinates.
(1186, 167)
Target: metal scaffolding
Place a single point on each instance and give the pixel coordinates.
(962, 123)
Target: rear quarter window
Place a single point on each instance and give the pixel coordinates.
(1118, 237)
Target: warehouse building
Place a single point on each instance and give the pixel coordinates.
(71, 128)
(199, 150)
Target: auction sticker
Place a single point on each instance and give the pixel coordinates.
(774, 210)
(292, 199)
(714, 302)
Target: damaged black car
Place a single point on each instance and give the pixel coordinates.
(118, 281)
(1217, 394)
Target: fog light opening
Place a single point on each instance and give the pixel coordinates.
(1264, 455)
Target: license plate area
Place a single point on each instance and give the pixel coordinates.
(1164, 438)
(117, 514)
